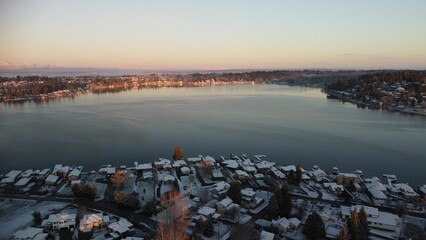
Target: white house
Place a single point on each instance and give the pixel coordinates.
(375, 218)
(61, 171)
(223, 204)
(264, 235)
(282, 224)
(11, 177)
(185, 170)
(242, 175)
(91, 221)
(60, 221)
(264, 166)
(121, 227)
(74, 174)
(51, 180)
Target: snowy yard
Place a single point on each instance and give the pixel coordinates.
(23, 218)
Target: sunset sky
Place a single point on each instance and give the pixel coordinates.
(212, 35)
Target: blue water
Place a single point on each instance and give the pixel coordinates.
(288, 124)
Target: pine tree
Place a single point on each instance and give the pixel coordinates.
(234, 192)
(353, 223)
(314, 227)
(273, 208)
(344, 234)
(363, 224)
(298, 177)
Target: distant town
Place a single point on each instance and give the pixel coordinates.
(201, 197)
(400, 91)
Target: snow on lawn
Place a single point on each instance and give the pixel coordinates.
(23, 218)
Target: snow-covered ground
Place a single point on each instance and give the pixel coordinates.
(23, 218)
(145, 190)
(9, 206)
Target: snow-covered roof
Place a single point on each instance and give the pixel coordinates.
(370, 211)
(289, 168)
(195, 159)
(209, 159)
(61, 169)
(248, 192)
(225, 202)
(185, 169)
(147, 175)
(231, 164)
(179, 163)
(241, 173)
(221, 186)
(259, 176)
(217, 173)
(376, 189)
(52, 178)
(30, 233)
(13, 174)
(294, 221)
(27, 173)
(75, 172)
(206, 211)
(283, 222)
(162, 162)
(121, 226)
(169, 178)
(422, 188)
(55, 218)
(404, 189)
(348, 175)
(90, 219)
(143, 166)
(22, 182)
(385, 218)
(265, 165)
(263, 223)
(277, 173)
(264, 235)
(249, 168)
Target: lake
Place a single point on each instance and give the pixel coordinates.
(289, 125)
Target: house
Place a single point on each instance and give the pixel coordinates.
(108, 170)
(121, 227)
(318, 174)
(22, 182)
(217, 174)
(60, 221)
(163, 163)
(169, 179)
(220, 188)
(91, 221)
(282, 224)
(223, 205)
(264, 235)
(30, 233)
(209, 160)
(206, 211)
(277, 173)
(375, 189)
(334, 188)
(403, 189)
(194, 159)
(249, 168)
(74, 174)
(259, 176)
(231, 164)
(179, 163)
(11, 177)
(147, 176)
(185, 170)
(248, 194)
(28, 173)
(375, 218)
(347, 179)
(264, 166)
(61, 171)
(51, 180)
(242, 175)
(294, 223)
(143, 167)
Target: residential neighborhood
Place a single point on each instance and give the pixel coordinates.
(223, 194)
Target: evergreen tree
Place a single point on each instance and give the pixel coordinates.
(298, 177)
(208, 227)
(37, 217)
(344, 234)
(314, 227)
(234, 192)
(273, 208)
(363, 224)
(353, 223)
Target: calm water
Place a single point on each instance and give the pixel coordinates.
(288, 124)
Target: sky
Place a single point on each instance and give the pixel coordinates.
(213, 35)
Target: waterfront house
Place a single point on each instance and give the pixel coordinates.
(264, 166)
(28, 173)
(179, 163)
(74, 174)
(348, 179)
(375, 189)
(217, 174)
(194, 159)
(91, 221)
(30, 233)
(163, 163)
(107, 170)
(231, 164)
(51, 180)
(60, 171)
(60, 221)
(318, 174)
(11, 177)
(402, 189)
